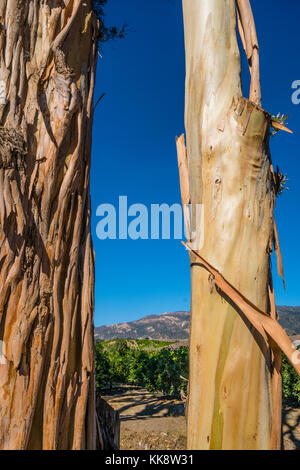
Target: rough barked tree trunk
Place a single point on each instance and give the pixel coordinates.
(234, 389)
(48, 51)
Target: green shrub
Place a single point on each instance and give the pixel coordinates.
(142, 362)
(102, 365)
(158, 368)
(290, 381)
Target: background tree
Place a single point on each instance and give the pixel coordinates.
(48, 51)
(235, 359)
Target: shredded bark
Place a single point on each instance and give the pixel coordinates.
(12, 149)
(268, 327)
(184, 181)
(48, 55)
(248, 35)
(278, 254)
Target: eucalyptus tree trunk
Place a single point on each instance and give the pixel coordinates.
(235, 387)
(48, 51)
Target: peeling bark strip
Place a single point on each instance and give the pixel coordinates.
(235, 384)
(184, 182)
(249, 39)
(266, 325)
(48, 53)
(278, 254)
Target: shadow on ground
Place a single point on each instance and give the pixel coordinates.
(156, 422)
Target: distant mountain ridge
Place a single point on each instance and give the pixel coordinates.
(175, 326)
(166, 326)
(289, 318)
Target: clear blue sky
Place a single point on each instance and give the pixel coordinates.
(134, 151)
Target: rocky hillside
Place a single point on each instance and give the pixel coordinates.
(166, 326)
(289, 318)
(175, 326)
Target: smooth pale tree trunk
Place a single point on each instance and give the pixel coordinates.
(234, 400)
(48, 55)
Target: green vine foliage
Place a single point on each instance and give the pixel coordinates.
(158, 367)
(154, 366)
(290, 381)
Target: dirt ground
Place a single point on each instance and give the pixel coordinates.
(291, 425)
(148, 421)
(154, 422)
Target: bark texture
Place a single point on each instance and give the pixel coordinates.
(109, 425)
(234, 388)
(48, 52)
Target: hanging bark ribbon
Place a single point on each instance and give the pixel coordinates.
(248, 35)
(278, 254)
(276, 376)
(184, 182)
(268, 327)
